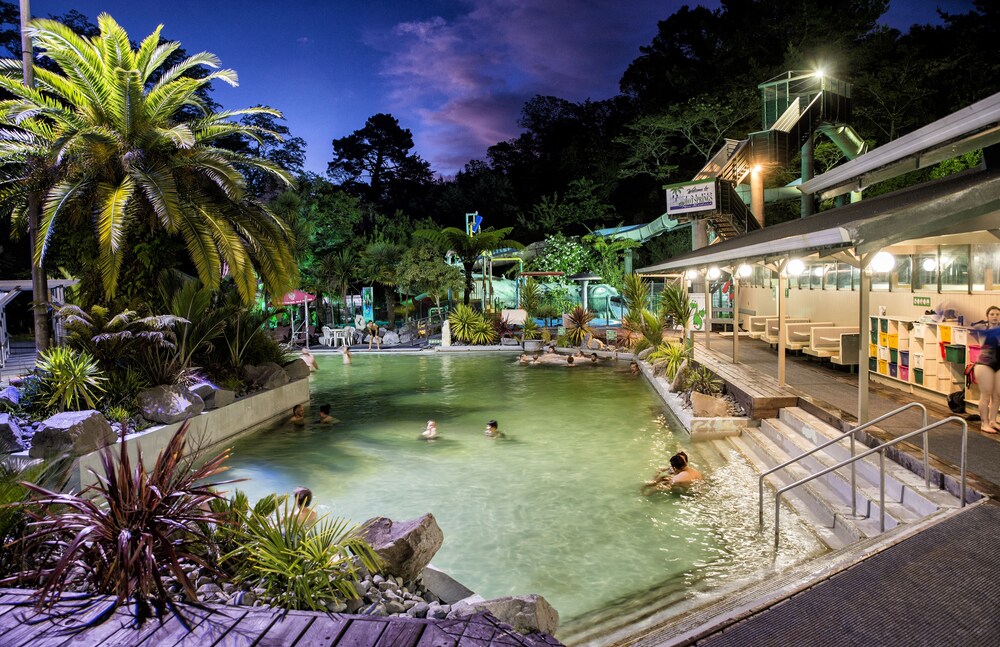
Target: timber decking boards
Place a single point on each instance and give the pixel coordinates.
(758, 393)
(22, 626)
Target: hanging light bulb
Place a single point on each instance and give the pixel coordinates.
(818, 270)
(795, 267)
(714, 273)
(692, 274)
(883, 262)
(929, 264)
(745, 271)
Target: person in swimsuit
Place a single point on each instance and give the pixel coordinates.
(303, 497)
(372, 330)
(298, 415)
(679, 473)
(986, 368)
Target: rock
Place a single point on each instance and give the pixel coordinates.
(11, 434)
(409, 604)
(203, 580)
(167, 404)
(336, 606)
(297, 369)
(266, 376)
(708, 406)
(362, 587)
(390, 339)
(209, 589)
(525, 613)
(418, 610)
(393, 607)
(244, 598)
(643, 354)
(406, 546)
(10, 397)
(353, 606)
(679, 377)
(220, 398)
(378, 579)
(79, 432)
(439, 612)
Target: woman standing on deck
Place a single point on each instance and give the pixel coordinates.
(986, 370)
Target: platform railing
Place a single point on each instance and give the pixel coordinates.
(854, 479)
(880, 450)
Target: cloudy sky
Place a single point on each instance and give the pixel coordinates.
(455, 72)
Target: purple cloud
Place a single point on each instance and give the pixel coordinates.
(460, 84)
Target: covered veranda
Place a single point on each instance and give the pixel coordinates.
(960, 209)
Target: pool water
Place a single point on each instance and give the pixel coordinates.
(554, 508)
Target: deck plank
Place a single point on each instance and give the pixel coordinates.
(323, 632)
(210, 630)
(31, 627)
(249, 628)
(362, 633)
(434, 637)
(401, 634)
(169, 624)
(287, 628)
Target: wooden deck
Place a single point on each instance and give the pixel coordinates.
(92, 621)
(758, 393)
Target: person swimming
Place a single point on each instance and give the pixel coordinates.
(298, 415)
(431, 431)
(493, 430)
(324, 415)
(678, 474)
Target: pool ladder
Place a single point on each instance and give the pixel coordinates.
(880, 450)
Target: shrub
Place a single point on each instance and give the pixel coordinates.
(124, 533)
(14, 507)
(483, 332)
(702, 380)
(669, 357)
(70, 378)
(123, 388)
(579, 325)
(463, 320)
(531, 296)
(530, 329)
(300, 564)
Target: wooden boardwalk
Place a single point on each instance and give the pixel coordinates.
(94, 620)
(758, 393)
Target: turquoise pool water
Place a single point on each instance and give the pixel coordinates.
(553, 509)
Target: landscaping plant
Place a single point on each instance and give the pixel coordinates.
(300, 564)
(578, 325)
(122, 535)
(669, 357)
(70, 379)
(704, 381)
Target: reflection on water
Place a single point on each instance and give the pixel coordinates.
(553, 509)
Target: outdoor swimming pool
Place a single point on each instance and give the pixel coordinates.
(554, 509)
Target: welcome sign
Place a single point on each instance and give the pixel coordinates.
(690, 197)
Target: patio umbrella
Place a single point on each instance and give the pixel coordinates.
(294, 298)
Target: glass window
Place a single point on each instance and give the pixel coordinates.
(954, 261)
(925, 274)
(843, 276)
(816, 276)
(904, 271)
(985, 267)
(855, 278)
(830, 276)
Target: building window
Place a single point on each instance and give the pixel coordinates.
(925, 273)
(843, 276)
(985, 268)
(954, 263)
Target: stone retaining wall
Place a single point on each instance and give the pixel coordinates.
(209, 430)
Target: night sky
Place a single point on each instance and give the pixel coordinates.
(455, 72)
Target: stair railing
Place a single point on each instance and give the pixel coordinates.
(881, 466)
(850, 432)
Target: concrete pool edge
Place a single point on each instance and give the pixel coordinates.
(208, 430)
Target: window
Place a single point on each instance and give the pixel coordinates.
(925, 274)
(954, 264)
(985, 268)
(843, 276)
(904, 272)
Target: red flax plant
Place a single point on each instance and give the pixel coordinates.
(123, 534)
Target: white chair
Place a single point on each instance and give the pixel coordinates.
(327, 338)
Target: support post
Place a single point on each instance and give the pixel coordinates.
(808, 201)
(864, 325)
(782, 307)
(699, 234)
(708, 314)
(736, 316)
(757, 194)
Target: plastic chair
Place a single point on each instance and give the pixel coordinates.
(327, 338)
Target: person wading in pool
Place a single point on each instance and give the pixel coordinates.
(680, 473)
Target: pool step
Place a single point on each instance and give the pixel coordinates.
(900, 483)
(813, 501)
(839, 482)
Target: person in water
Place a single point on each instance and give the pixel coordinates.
(310, 361)
(303, 499)
(679, 473)
(347, 354)
(298, 415)
(493, 430)
(634, 367)
(324, 415)
(431, 431)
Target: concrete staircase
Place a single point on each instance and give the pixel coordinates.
(825, 503)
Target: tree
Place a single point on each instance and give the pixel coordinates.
(275, 144)
(581, 208)
(98, 139)
(375, 162)
(422, 269)
(380, 263)
(469, 248)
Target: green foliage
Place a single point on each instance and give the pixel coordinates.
(463, 321)
(469, 248)
(15, 506)
(111, 141)
(578, 325)
(648, 329)
(530, 329)
(579, 206)
(123, 387)
(562, 254)
(531, 296)
(702, 380)
(483, 332)
(300, 563)
(669, 357)
(70, 379)
(677, 305)
(113, 340)
(129, 529)
(422, 269)
(609, 257)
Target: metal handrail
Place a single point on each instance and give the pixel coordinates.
(854, 491)
(881, 463)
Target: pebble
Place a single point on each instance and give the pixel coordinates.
(378, 579)
(207, 589)
(393, 607)
(418, 610)
(439, 612)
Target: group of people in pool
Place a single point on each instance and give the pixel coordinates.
(492, 431)
(299, 415)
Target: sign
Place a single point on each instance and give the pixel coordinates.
(611, 334)
(924, 302)
(367, 306)
(690, 197)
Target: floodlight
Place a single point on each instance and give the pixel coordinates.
(929, 265)
(883, 262)
(745, 271)
(795, 267)
(714, 273)
(692, 274)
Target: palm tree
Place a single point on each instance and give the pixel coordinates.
(336, 272)
(469, 248)
(104, 142)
